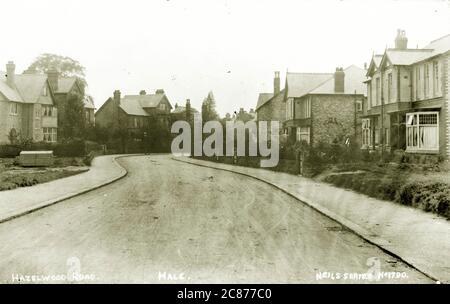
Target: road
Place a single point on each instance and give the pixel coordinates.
(171, 222)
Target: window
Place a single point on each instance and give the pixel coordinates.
(290, 108)
(378, 92)
(387, 136)
(305, 108)
(45, 91)
(162, 106)
(436, 80)
(422, 131)
(427, 81)
(14, 108)
(389, 90)
(49, 134)
(48, 110)
(136, 122)
(303, 134)
(366, 138)
(369, 93)
(359, 106)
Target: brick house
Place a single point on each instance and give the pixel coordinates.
(134, 113)
(27, 107)
(408, 100)
(324, 107)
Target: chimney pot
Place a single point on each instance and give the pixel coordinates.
(401, 41)
(10, 73)
(276, 83)
(339, 80)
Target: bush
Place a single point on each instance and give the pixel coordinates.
(10, 151)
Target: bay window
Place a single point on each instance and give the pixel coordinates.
(422, 131)
(50, 134)
(366, 135)
(303, 134)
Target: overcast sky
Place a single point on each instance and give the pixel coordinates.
(190, 47)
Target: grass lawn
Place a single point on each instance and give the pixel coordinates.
(12, 176)
(422, 186)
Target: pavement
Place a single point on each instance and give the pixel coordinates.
(420, 239)
(172, 222)
(20, 201)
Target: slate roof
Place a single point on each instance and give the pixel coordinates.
(406, 57)
(275, 98)
(65, 84)
(354, 80)
(135, 104)
(28, 88)
(181, 109)
(262, 99)
(299, 84)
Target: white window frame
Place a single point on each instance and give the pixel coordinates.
(366, 133)
(162, 106)
(303, 132)
(49, 134)
(415, 130)
(14, 109)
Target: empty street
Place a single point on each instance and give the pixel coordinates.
(169, 221)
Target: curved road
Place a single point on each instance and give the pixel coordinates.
(169, 221)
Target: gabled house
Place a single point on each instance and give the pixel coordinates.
(27, 107)
(134, 113)
(183, 113)
(324, 107)
(271, 106)
(408, 102)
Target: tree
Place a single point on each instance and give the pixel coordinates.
(209, 108)
(72, 125)
(66, 66)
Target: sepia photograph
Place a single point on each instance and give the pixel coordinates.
(198, 143)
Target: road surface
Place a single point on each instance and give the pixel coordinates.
(172, 222)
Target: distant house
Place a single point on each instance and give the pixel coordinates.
(408, 99)
(183, 113)
(27, 107)
(324, 107)
(271, 106)
(134, 113)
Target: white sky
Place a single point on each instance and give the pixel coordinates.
(190, 47)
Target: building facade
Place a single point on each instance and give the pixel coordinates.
(408, 102)
(324, 107)
(135, 114)
(27, 108)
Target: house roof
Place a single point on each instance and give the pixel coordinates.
(88, 102)
(181, 109)
(353, 81)
(30, 87)
(27, 89)
(299, 84)
(439, 46)
(146, 101)
(406, 57)
(65, 84)
(10, 93)
(275, 98)
(132, 106)
(262, 99)
(135, 104)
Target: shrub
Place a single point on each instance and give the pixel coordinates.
(10, 150)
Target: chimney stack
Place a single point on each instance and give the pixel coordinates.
(401, 42)
(339, 80)
(52, 76)
(159, 91)
(10, 73)
(276, 83)
(116, 102)
(188, 110)
(142, 92)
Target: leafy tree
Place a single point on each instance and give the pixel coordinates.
(72, 123)
(209, 108)
(66, 66)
